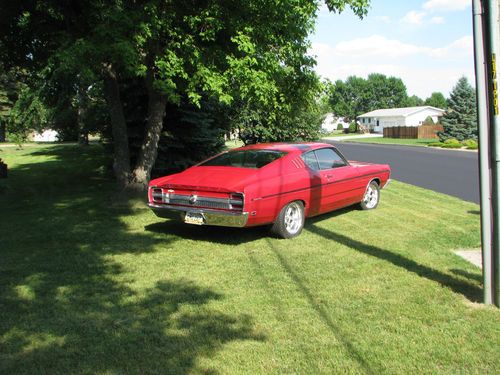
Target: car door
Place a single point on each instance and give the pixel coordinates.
(339, 180)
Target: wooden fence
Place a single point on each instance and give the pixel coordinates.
(414, 132)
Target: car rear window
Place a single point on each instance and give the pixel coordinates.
(244, 159)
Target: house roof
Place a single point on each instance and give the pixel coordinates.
(404, 112)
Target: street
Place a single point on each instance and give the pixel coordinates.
(446, 171)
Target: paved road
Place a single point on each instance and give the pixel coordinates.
(446, 171)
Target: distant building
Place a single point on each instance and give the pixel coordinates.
(331, 123)
(379, 119)
(48, 135)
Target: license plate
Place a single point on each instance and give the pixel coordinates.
(194, 218)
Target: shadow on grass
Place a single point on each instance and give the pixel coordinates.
(214, 234)
(225, 235)
(322, 313)
(67, 305)
(471, 292)
(468, 275)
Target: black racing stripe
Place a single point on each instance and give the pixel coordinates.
(320, 185)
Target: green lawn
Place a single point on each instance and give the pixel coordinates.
(93, 282)
(395, 141)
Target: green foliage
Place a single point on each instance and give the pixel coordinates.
(428, 121)
(470, 144)
(353, 127)
(460, 121)
(340, 127)
(414, 101)
(357, 95)
(452, 143)
(29, 113)
(437, 100)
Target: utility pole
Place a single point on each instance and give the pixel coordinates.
(486, 54)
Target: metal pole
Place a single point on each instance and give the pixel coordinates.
(484, 152)
(492, 26)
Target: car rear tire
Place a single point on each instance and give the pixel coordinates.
(290, 220)
(371, 197)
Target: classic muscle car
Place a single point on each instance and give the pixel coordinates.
(275, 183)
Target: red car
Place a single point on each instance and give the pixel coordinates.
(275, 183)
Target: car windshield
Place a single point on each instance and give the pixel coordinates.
(244, 159)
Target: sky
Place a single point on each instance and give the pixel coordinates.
(426, 43)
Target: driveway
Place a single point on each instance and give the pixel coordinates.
(446, 171)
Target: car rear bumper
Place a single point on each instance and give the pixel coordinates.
(210, 217)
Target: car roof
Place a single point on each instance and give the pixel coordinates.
(287, 147)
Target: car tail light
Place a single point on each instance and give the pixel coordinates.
(159, 195)
(236, 201)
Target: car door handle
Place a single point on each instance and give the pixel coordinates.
(329, 175)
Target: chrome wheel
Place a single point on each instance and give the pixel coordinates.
(293, 218)
(371, 197)
(290, 220)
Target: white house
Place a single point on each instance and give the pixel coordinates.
(48, 135)
(410, 116)
(331, 122)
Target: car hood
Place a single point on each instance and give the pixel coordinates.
(224, 179)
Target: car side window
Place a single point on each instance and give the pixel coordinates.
(328, 158)
(311, 161)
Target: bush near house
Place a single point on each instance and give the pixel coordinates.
(340, 127)
(353, 127)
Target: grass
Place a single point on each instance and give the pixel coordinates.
(93, 282)
(234, 144)
(395, 141)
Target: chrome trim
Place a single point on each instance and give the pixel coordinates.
(212, 217)
(386, 183)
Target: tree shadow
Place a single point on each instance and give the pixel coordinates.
(471, 292)
(322, 313)
(67, 305)
(469, 275)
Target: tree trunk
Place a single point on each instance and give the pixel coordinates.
(83, 135)
(121, 162)
(157, 102)
(2, 131)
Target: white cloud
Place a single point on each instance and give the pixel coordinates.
(437, 20)
(446, 5)
(413, 17)
(384, 19)
(460, 47)
(377, 45)
(423, 69)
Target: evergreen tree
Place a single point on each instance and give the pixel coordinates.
(460, 120)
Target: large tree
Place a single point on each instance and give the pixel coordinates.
(357, 95)
(243, 49)
(460, 120)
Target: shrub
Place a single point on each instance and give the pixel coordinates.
(436, 144)
(428, 121)
(452, 143)
(353, 127)
(470, 144)
(340, 127)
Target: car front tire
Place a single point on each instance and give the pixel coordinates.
(371, 197)
(290, 220)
